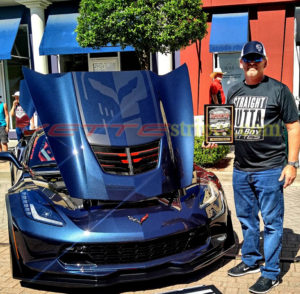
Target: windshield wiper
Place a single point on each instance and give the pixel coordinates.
(44, 165)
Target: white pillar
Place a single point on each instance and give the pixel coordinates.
(164, 63)
(37, 13)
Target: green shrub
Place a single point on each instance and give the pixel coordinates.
(210, 156)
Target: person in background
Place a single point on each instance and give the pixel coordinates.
(23, 122)
(262, 169)
(216, 93)
(4, 126)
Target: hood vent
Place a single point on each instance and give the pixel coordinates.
(127, 160)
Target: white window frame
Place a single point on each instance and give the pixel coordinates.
(104, 59)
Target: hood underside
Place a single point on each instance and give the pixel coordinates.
(116, 135)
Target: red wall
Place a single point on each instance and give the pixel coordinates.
(222, 3)
(273, 26)
(278, 42)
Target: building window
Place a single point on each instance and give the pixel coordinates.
(130, 61)
(74, 62)
(84, 62)
(230, 64)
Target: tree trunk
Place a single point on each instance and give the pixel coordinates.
(144, 59)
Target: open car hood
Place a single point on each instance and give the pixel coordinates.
(116, 135)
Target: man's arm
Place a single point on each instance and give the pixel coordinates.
(289, 173)
(213, 90)
(13, 109)
(6, 117)
(215, 98)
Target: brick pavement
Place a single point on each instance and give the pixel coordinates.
(216, 274)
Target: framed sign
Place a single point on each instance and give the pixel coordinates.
(219, 122)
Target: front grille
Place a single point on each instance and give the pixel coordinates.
(134, 252)
(127, 160)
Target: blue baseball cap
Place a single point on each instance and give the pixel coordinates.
(253, 47)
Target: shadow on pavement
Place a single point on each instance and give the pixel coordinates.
(290, 248)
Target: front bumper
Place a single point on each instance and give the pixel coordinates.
(51, 269)
(121, 276)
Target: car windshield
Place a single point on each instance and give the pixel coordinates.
(41, 154)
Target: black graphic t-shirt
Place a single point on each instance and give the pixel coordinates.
(260, 111)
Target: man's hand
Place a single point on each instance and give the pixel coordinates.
(209, 145)
(15, 103)
(6, 129)
(289, 174)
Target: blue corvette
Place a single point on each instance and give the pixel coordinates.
(106, 191)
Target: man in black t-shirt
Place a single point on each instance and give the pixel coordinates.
(261, 167)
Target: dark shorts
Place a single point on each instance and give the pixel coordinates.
(3, 135)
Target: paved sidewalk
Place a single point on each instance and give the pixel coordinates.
(215, 274)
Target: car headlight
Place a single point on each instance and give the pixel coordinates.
(213, 201)
(39, 209)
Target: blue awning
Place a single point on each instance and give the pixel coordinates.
(60, 37)
(10, 18)
(229, 32)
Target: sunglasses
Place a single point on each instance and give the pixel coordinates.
(252, 59)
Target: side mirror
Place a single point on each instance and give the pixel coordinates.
(7, 156)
